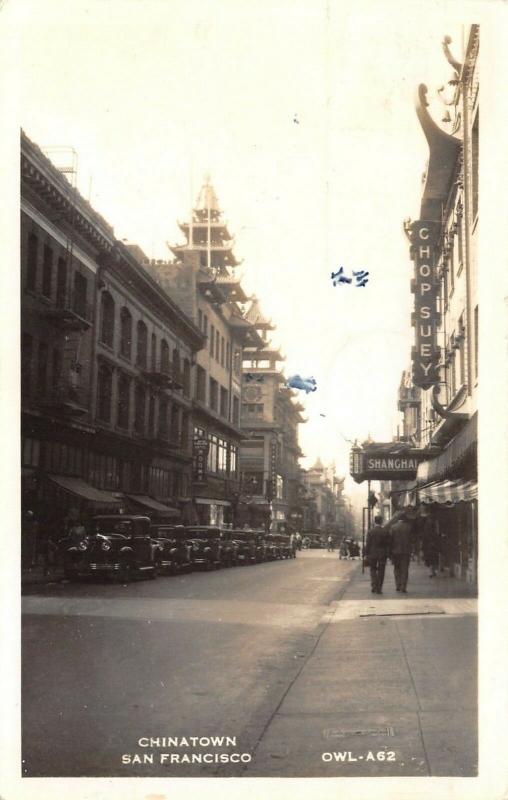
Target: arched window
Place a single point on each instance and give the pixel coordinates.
(139, 411)
(107, 319)
(142, 350)
(186, 377)
(164, 356)
(125, 333)
(104, 388)
(124, 391)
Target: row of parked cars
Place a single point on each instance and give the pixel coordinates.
(131, 546)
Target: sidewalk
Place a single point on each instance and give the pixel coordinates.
(390, 673)
(35, 575)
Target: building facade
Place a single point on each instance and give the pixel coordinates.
(201, 280)
(105, 363)
(439, 398)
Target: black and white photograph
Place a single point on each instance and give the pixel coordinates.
(246, 505)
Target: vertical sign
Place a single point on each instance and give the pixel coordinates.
(425, 354)
(272, 475)
(200, 453)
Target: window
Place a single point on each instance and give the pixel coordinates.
(104, 387)
(31, 262)
(462, 351)
(164, 357)
(224, 410)
(200, 384)
(153, 351)
(228, 356)
(252, 482)
(163, 418)
(212, 453)
(185, 428)
(124, 391)
(47, 271)
(42, 369)
(236, 411)
(222, 456)
(57, 367)
(61, 283)
(253, 409)
(80, 295)
(474, 156)
(233, 461)
(217, 344)
(139, 408)
(237, 362)
(107, 319)
(214, 394)
(142, 349)
(453, 378)
(125, 332)
(205, 324)
(222, 343)
(31, 452)
(279, 492)
(186, 378)
(27, 346)
(212, 340)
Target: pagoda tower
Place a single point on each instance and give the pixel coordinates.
(207, 234)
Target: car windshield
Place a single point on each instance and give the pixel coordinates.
(113, 526)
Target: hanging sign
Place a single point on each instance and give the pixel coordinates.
(425, 354)
(200, 453)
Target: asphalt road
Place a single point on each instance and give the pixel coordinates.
(198, 655)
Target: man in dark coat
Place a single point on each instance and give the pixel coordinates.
(400, 552)
(376, 551)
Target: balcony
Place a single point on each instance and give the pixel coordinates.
(164, 378)
(71, 311)
(67, 400)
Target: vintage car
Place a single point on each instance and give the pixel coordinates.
(118, 545)
(174, 548)
(284, 544)
(272, 547)
(249, 545)
(207, 546)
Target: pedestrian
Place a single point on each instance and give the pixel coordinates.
(343, 549)
(330, 544)
(292, 542)
(400, 550)
(376, 552)
(431, 544)
(298, 541)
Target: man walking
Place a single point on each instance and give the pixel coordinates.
(376, 551)
(400, 552)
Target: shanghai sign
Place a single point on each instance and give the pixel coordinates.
(379, 463)
(425, 353)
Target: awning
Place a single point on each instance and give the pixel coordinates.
(461, 448)
(154, 505)
(449, 492)
(85, 491)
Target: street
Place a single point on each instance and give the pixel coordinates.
(284, 658)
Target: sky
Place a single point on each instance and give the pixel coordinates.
(302, 112)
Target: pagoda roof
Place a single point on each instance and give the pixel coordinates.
(220, 255)
(245, 328)
(207, 198)
(256, 316)
(217, 225)
(256, 354)
(233, 287)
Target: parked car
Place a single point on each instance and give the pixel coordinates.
(284, 545)
(118, 545)
(273, 550)
(207, 545)
(249, 546)
(175, 549)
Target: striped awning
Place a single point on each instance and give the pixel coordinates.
(449, 492)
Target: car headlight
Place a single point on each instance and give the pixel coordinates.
(106, 546)
(83, 546)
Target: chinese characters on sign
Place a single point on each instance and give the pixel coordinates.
(425, 354)
(360, 277)
(200, 448)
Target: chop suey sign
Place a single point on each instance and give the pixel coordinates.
(425, 354)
